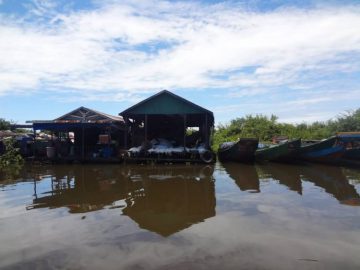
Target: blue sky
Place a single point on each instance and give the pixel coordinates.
(299, 60)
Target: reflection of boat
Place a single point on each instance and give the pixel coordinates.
(244, 175)
(288, 175)
(323, 151)
(166, 200)
(333, 181)
(241, 151)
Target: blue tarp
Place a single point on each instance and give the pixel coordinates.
(349, 137)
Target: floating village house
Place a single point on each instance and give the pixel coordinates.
(163, 127)
(168, 127)
(82, 134)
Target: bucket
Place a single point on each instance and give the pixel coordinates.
(50, 152)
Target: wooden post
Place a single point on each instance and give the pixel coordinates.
(145, 126)
(83, 144)
(184, 116)
(206, 130)
(126, 133)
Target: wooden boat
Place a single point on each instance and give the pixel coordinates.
(351, 140)
(352, 153)
(241, 151)
(292, 153)
(278, 152)
(328, 150)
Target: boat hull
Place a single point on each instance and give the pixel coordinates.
(292, 153)
(241, 151)
(353, 154)
(323, 151)
(272, 153)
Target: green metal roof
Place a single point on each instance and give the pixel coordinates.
(165, 102)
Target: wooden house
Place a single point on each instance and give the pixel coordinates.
(170, 128)
(82, 134)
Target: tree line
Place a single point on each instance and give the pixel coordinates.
(265, 128)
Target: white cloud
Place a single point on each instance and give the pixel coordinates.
(126, 48)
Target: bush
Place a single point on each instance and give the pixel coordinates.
(11, 155)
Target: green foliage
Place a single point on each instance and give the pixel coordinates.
(4, 125)
(11, 157)
(265, 128)
(349, 121)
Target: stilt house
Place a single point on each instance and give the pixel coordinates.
(83, 134)
(171, 118)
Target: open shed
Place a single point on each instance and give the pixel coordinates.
(83, 134)
(170, 118)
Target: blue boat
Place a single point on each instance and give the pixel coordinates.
(328, 151)
(351, 141)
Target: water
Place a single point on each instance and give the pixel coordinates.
(230, 216)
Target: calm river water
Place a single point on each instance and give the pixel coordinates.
(226, 216)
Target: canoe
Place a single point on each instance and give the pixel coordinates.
(272, 152)
(328, 150)
(241, 151)
(292, 153)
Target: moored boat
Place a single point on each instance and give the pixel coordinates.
(352, 153)
(351, 140)
(272, 152)
(292, 153)
(241, 151)
(328, 150)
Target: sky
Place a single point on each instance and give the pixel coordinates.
(298, 60)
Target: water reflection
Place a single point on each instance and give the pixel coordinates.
(244, 175)
(166, 200)
(162, 199)
(332, 179)
(128, 216)
(286, 174)
(334, 182)
(80, 188)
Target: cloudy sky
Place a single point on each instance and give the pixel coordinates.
(299, 60)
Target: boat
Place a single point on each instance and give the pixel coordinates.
(241, 151)
(328, 150)
(292, 153)
(351, 140)
(352, 153)
(273, 152)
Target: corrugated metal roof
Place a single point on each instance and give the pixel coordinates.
(86, 115)
(165, 102)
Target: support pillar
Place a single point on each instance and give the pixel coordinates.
(184, 117)
(145, 127)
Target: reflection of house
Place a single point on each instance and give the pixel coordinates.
(162, 199)
(82, 134)
(166, 125)
(82, 189)
(167, 200)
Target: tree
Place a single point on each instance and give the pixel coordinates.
(265, 128)
(4, 125)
